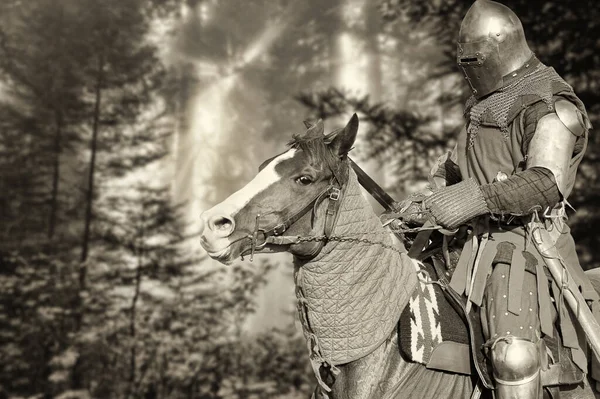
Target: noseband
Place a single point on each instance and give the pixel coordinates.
(273, 236)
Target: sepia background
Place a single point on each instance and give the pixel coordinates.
(121, 120)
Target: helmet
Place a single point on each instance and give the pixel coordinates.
(491, 44)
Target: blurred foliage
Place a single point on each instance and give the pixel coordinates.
(143, 314)
(128, 309)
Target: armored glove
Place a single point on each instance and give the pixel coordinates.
(449, 206)
(454, 205)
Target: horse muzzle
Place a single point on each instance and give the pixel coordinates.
(216, 229)
(218, 224)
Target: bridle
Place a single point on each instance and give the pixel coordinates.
(274, 235)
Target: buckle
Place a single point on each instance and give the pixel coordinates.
(279, 229)
(334, 193)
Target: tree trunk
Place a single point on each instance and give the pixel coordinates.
(374, 77)
(90, 192)
(55, 175)
(132, 329)
(374, 72)
(58, 84)
(331, 23)
(360, 40)
(134, 300)
(77, 377)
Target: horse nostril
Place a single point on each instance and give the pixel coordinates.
(221, 224)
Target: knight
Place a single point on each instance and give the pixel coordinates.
(513, 169)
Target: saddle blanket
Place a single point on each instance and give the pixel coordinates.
(428, 319)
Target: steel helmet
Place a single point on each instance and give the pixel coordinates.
(491, 45)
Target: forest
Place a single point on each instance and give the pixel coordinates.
(121, 120)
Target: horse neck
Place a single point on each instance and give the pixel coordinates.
(358, 273)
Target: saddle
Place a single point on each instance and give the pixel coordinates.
(452, 340)
(442, 337)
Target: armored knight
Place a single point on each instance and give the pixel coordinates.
(514, 166)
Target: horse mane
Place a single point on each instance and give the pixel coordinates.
(315, 145)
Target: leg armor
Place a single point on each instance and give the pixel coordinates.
(517, 367)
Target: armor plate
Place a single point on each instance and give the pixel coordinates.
(552, 148)
(570, 116)
(517, 366)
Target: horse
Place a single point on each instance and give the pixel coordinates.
(353, 277)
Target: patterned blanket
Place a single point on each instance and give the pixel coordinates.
(428, 320)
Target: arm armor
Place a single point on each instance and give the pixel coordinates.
(552, 139)
(522, 193)
(549, 141)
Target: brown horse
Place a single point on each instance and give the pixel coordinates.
(353, 277)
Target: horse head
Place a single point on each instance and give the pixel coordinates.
(290, 194)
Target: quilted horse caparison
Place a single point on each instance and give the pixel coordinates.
(353, 294)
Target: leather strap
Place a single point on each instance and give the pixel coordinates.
(451, 356)
(331, 216)
(484, 269)
(421, 240)
(515, 282)
(473, 323)
(332, 213)
(378, 193)
(282, 227)
(545, 304)
(459, 277)
(273, 236)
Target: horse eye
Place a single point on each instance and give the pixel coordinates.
(304, 180)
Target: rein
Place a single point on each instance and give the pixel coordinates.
(288, 240)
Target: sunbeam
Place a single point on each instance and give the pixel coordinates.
(206, 127)
(263, 42)
(208, 122)
(352, 64)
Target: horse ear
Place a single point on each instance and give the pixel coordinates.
(344, 139)
(308, 124)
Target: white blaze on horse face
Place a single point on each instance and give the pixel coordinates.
(263, 180)
(238, 200)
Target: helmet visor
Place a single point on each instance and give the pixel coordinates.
(480, 62)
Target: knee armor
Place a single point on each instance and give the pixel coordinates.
(517, 368)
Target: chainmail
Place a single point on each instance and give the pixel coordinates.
(538, 82)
